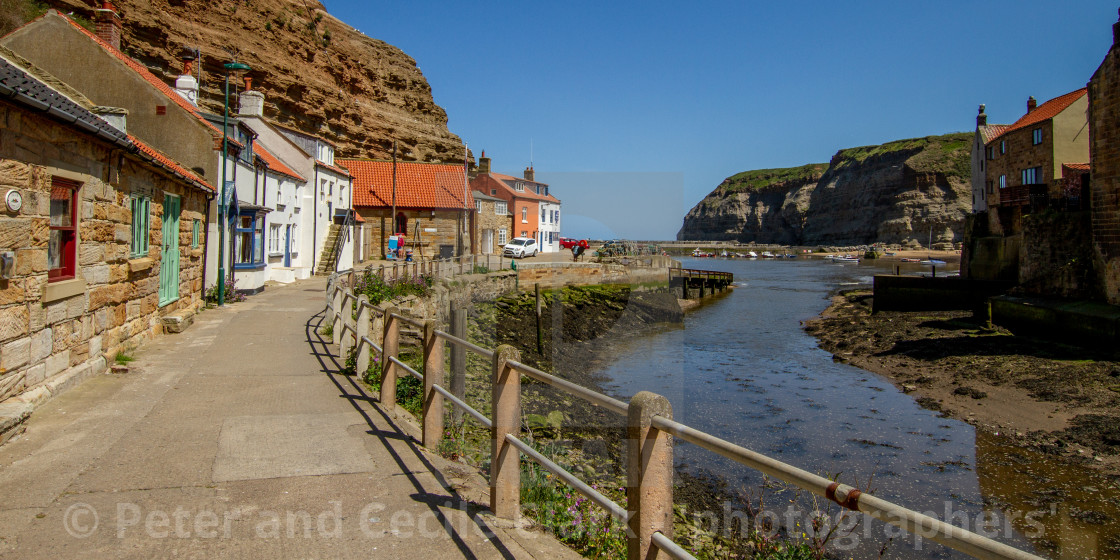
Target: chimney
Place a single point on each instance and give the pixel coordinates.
(251, 102)
(529, 174)
(109, 24)
(982, 118)
(483, 163)
(1116, 32)
(1032, 103)
(186, 85)
(115, 116)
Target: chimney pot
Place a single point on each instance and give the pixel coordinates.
(530, 175)
(1032, 104)
(981, 117)
(248, 83)
(109, 24)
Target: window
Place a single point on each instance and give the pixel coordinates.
(248, 241)
(543, 215)
(991, 152)
(1032, 175)
(141, 210)
(478, 206)
(525, 215)
(990, 191)
(195, 228)
(493, 192)
(519, 186)
(524, 233)
(538, 189)
(1002, 147)
(1003, 181)
(501, 209)
(274, 239)
(62, 249)
(501, 237)
(1036, 136)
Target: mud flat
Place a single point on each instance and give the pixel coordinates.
(1060, 400)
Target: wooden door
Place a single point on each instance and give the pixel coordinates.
(169, 251)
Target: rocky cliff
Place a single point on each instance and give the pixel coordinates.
(895, 193)
(318, 74)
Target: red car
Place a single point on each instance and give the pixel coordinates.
(569, 242)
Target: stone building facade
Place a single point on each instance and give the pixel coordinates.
(88, 280)
(1104, 118)
(490, 224)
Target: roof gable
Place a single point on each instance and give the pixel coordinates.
(419, 185)
(507, 183)
(1047, 110)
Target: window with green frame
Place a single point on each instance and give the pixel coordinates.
(194, 233)
(141, 209)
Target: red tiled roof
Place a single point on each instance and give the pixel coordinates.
(275, 164)
(147, 75)
(508, 181)
(1047, 110)
(170, 163)
(419, 185)
(991, 131)
(1075, 167)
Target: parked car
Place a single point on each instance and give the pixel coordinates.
(569, 242)
(520, 247)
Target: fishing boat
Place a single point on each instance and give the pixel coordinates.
(767, 255)
(908, 259)
(752, 255)
(932, 262)
(844, 259)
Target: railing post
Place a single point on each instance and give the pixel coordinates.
(362, 363)
(344, 343)
(389, 346)
(505, 471)
(336, 319)
(433, 375)
(649, 476)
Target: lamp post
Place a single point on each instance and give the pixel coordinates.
(237, 69)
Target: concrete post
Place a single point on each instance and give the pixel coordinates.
(649, 476)
(458, 359)
(505, 471)
(363, 331)
(336, 316)
(345, 342)
(433, 375)
(388, 369)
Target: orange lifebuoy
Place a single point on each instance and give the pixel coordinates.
(583, 243)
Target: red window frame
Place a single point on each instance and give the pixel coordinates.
(68, 244)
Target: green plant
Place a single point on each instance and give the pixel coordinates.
(232, 295)
(410, 390)
(123, 359)
(378, 290)
(479, 269)
(268, 26)
(327, 330)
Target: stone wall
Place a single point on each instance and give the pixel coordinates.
(487, 219)
(1104, 146)
(451, 229)
(53, 334)
(1056, 256)
(557, 275)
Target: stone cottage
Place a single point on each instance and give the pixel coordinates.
(100, 238)
(1104, 146)
(490, 224)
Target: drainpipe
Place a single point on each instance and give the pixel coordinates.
(314, 215)
(206, 243)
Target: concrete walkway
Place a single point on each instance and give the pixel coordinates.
(237, 439)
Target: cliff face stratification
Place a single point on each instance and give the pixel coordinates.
(318, 74)
(892, 193)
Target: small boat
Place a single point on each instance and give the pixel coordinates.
(767, 255)
(932, 262)
(752, 255)
(844, 259)
(790, 256)
(908, 259)
(889, 253)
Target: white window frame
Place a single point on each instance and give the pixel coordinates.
(478, 206)
(502, 237)
(501, 208)
(524, 214)
(274, 240)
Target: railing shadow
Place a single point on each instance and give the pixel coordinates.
(351, 389)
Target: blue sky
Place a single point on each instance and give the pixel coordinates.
(658, 102)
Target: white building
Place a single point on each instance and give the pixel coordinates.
(549, 226)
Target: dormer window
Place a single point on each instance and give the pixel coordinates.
(519, 186)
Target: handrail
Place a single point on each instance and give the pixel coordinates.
(407, 368)
(616, 511)
(372, 344)
(671, 548)
(412, 322)
(466, 407)
(489, 354)
(586, 394)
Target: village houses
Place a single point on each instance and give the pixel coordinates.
(534, 212)
(491, 223)
(432, 206)
(99, 240)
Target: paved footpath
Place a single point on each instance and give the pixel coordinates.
(236, 439)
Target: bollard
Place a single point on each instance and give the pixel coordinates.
(505, 470)
(433, 375)
(389, 347)
(649, 476)
(363, 331)
(336, 316)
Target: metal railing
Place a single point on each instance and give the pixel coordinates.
(648, 515)
(438, 268)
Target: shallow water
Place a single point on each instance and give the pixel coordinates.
(743, 369)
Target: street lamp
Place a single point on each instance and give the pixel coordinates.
(237, 69)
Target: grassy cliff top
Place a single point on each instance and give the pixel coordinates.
(759, 179)
(948, 154)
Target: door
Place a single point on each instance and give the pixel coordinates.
(169, 251)
(288, 245)
(487, 241)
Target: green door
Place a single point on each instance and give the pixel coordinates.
(169, 251)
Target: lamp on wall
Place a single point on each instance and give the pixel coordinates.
(236, 69)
